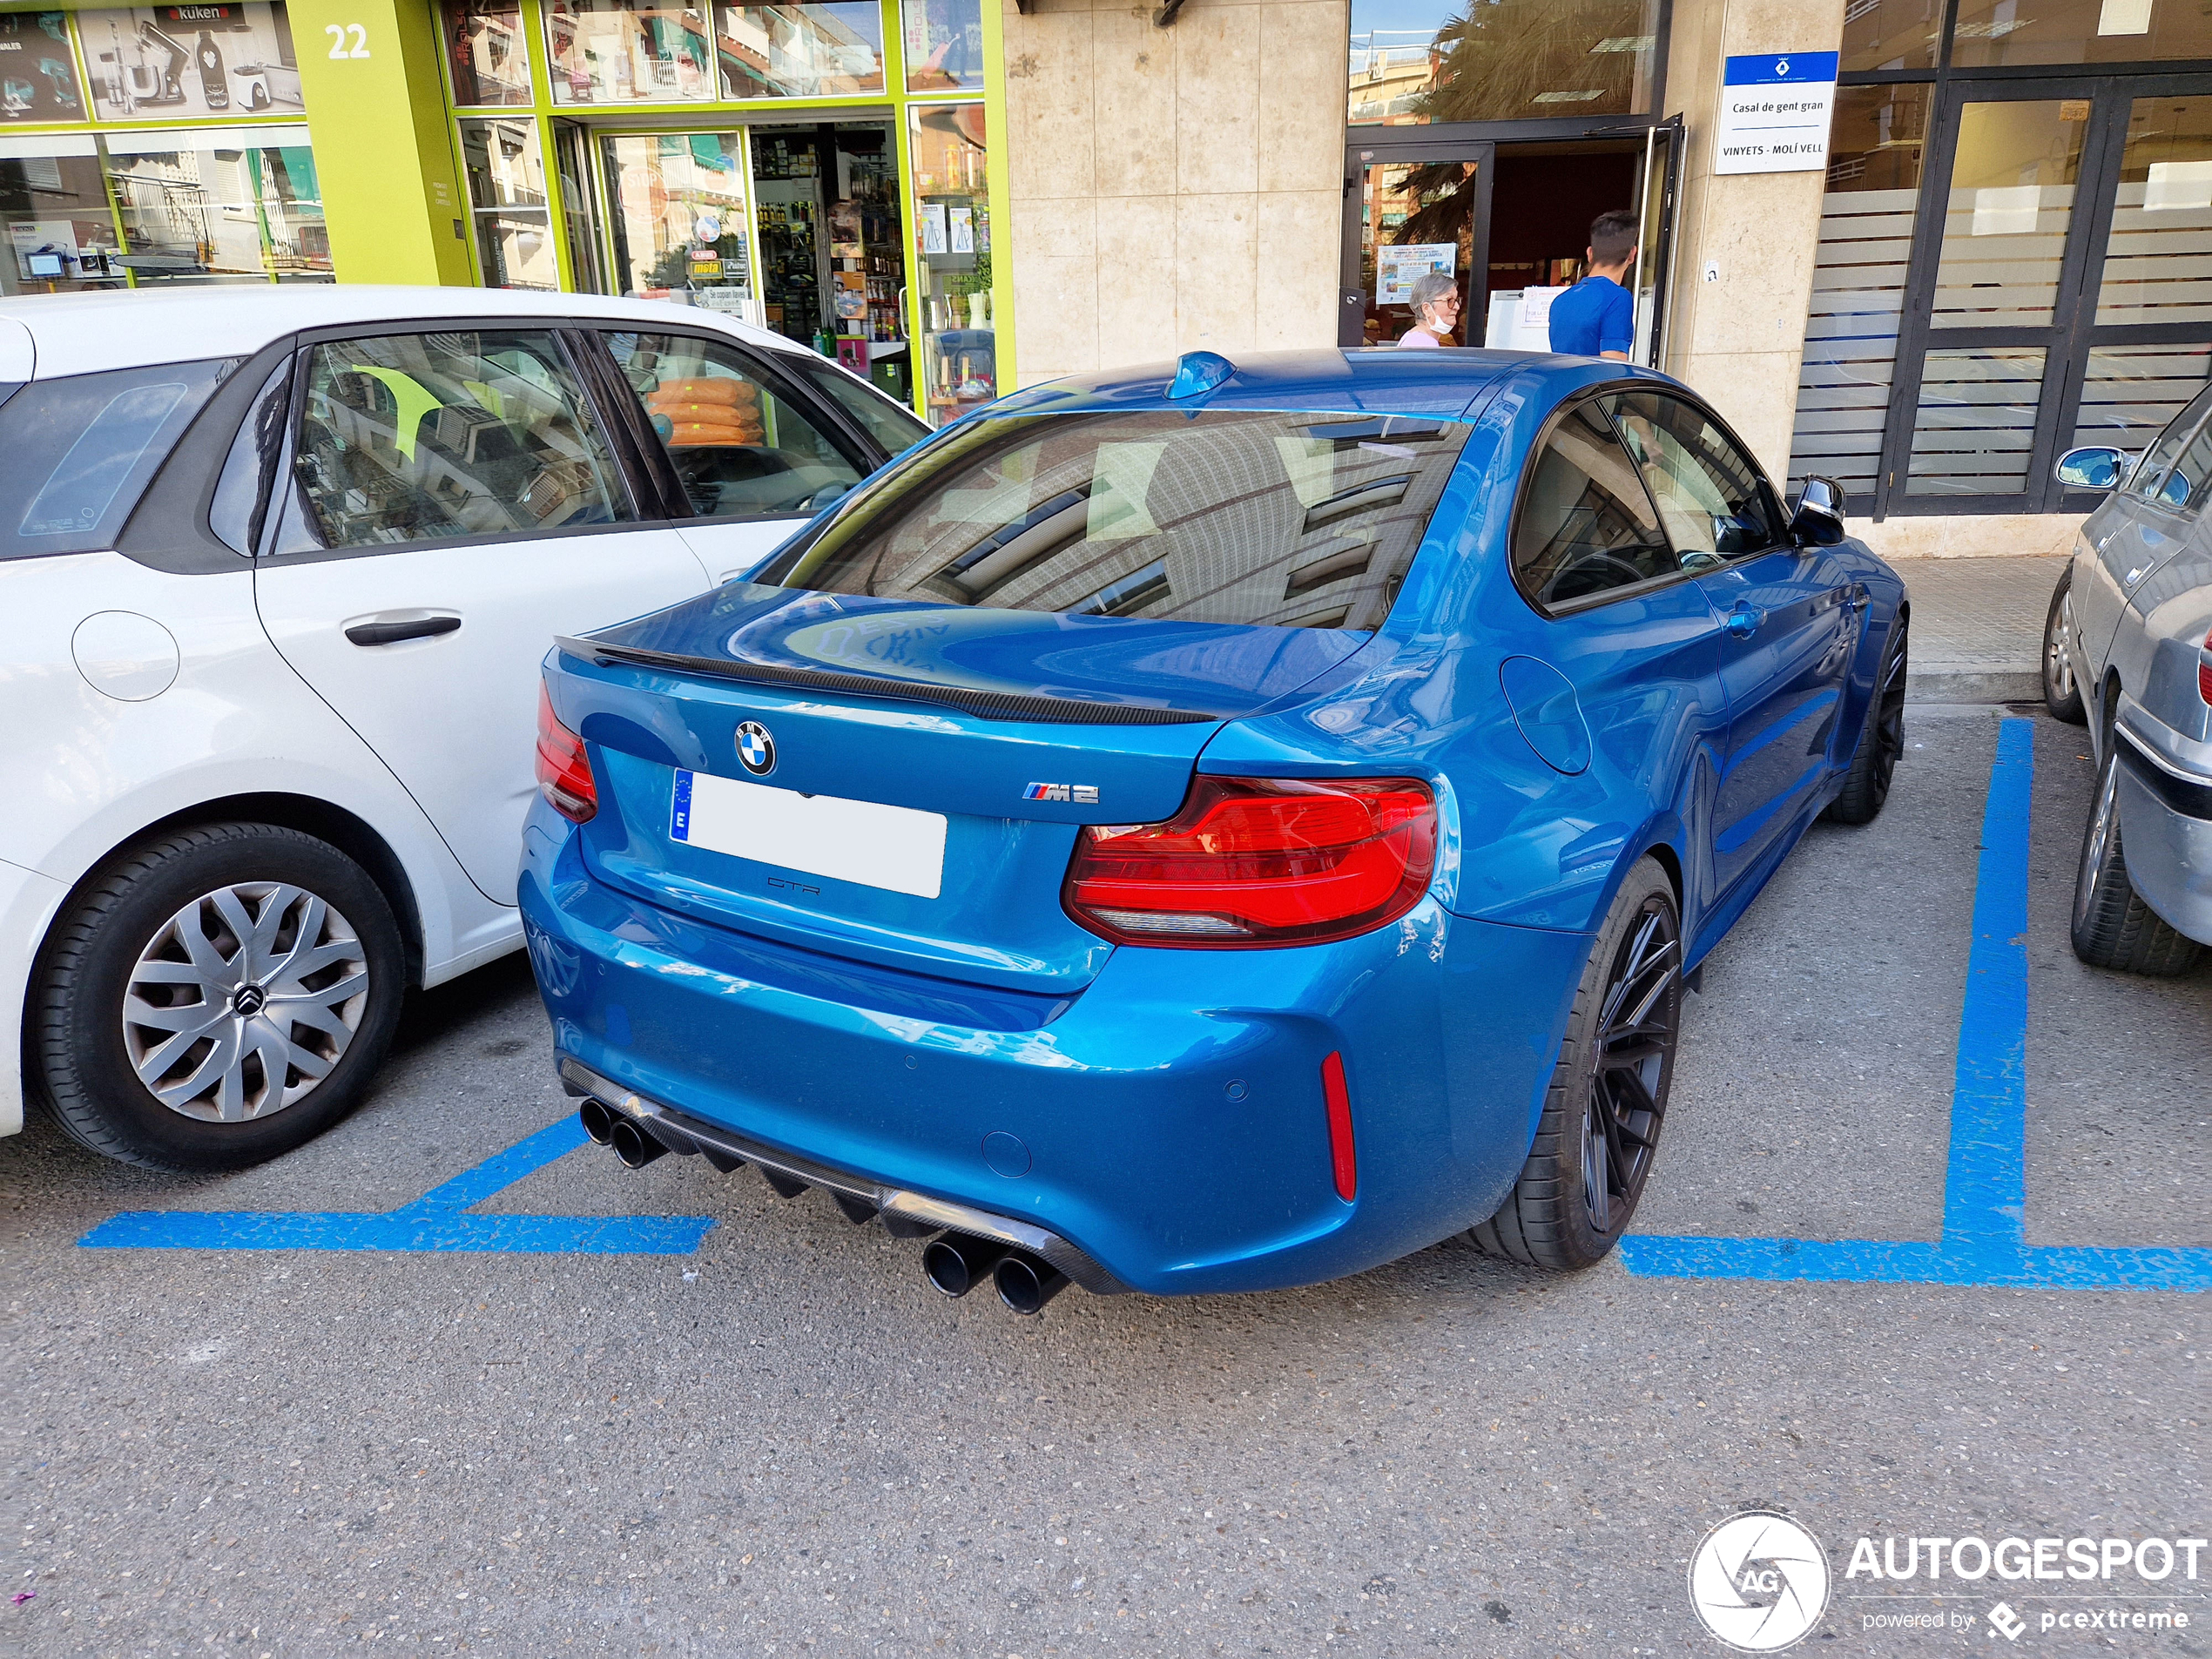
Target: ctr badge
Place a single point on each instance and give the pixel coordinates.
(756, 749)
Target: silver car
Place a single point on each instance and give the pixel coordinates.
(2128, 651)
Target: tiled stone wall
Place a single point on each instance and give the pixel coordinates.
(1173, 189)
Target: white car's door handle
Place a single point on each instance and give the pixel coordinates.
(391, 633)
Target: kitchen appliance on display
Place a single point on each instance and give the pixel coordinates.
(160, 83)
(209, 56)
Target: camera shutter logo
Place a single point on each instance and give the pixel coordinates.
(756, 749)
(1759, 1581)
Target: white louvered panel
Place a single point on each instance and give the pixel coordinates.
(2131, 391)
(1975, 423)
(1851, 336)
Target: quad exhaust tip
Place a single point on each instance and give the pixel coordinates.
(956, 1262)
(599, 1121)
(1025, 1284)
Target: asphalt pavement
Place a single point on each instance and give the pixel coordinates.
(785, 1442)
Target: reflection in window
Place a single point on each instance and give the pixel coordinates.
(1892, 34)
(1299, 521)
(680, 219)
(39, 81)
(486, 51)
(56, 235)
(1499, 60)
(1976, 422)
(2158, 258)
(740, 449)
(803, 50)
(1585, 525)
(1866, 218)
(1707, 490)
(218, 205)
(507, 199)
(944, 45)
(607, 53)
(414, 437)
(2079, 31)
(2010, 203)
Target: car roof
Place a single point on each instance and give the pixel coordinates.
(83, 333)
(1364, 379)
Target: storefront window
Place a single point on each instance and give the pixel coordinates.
(218, 205)
(944, 45)
(606, 52)
(507, 199)
(570, 146)
(1893, 33)
(60, 234)
(1414, 61)
(806, 51)
(174, 62)
(488, 52)
(953, 264)
(2079, 31)
(37, 73)
(680, 221)
(1866, 216)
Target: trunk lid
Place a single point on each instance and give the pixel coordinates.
(1001, 731)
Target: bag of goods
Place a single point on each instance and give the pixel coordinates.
(686, 434)
(718, 390)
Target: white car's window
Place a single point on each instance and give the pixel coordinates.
(80, 451)
(741, 449)
(2148, 478)
(2187, 486)
(422, 437)
(895, 428)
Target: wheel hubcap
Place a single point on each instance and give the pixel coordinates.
(1630, 1063)
(2058, 666)
(244, 1001)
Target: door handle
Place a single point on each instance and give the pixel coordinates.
(1744, 621)
(391, 633)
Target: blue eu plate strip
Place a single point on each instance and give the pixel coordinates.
(436, 1221)
(1985, 1186)
(679, 808)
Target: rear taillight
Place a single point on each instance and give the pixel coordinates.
(1255, 861)
(2204, 670)
(563, 770)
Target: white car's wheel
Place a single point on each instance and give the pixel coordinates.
(216, 997)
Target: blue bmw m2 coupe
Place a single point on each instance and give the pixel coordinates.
(1214, 827)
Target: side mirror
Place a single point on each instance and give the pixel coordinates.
(1819, 516)
(2093, 467)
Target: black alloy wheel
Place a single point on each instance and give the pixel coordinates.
(1881, 737)
(1592, 1155)
(2061, 691)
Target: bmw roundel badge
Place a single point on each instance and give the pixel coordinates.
(756, 749)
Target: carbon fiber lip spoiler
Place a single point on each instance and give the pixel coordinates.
(990, 705)
(908, 1214)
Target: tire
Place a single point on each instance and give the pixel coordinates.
(1579, 1187)
(1881, 737)
(172, 925)
(2061, 692)
(2113, 927)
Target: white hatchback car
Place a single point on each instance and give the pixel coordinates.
(282, 564)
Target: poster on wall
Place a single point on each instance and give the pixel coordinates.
(1398, 269)
(175, 60)
(38, 79)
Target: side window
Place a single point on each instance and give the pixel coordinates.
(742, 449)
(2188, 485)
(419, 437)
(2149, 480)
(1710, 495)
(80, 451)
(893, 428)
(1586, 525)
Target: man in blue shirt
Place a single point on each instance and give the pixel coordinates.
(1597, 318)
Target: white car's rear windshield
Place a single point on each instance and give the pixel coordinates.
(80, 451)
(1295, 520)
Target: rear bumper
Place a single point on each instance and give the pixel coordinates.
(1168, 1123)
(2166, 829)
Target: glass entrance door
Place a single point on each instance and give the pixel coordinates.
(1414, 213)
(677, 217)
(2060, 291)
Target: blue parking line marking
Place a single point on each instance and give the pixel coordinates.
(436, 1221)
(1983, 1242)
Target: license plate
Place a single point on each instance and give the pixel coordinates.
(893, 847)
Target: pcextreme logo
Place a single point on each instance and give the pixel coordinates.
(1759, 1581)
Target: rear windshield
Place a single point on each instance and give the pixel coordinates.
(1291, 520)
(81, 449)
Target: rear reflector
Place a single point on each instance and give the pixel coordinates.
(1259, 861)
(563, 770)
(2204, 670)
(1343, 1163)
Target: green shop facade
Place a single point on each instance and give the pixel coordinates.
(825, 170)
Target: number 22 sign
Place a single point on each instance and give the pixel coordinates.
(338, 33)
